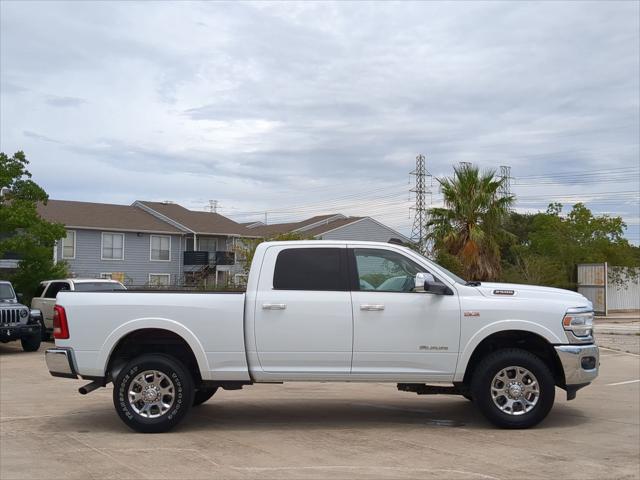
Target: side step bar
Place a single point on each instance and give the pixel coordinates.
(423, 389)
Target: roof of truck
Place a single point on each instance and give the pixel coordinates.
(84, 280)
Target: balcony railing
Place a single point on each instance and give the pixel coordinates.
(195, 257)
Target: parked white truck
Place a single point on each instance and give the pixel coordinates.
(334, 311)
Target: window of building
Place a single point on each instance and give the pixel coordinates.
(386, 271)
(311, 269)
(160, 248)
(113, 246)
(159, 279)
(208, 244)
(69, 245)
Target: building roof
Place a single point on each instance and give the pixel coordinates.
(202, 223)
(340, 222)
(310, 227)
(102, 216)
(275, 229)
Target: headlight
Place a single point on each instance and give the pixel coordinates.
(579, 322)
(24, 313)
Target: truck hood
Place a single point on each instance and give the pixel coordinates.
(510, 290)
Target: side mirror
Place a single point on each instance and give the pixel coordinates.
(425, 282)
(19, 296)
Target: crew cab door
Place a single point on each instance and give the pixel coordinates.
(303, 322)
(399, 332)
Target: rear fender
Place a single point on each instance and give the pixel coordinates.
(158, 323)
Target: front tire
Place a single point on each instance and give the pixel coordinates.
(30, 343)
(513, 388)
(153, 393)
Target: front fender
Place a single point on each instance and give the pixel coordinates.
(157, 323)
(500, 326)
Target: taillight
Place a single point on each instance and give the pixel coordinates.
(60, 326)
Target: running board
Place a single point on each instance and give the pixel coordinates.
(423, 389)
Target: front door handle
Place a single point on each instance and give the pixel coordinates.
(372, 308)
(274, 306)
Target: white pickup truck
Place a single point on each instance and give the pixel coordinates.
(334, 311)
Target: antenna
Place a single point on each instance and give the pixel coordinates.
(419, 230)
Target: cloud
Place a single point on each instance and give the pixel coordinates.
(37, 136)
(268, 106)
(59, 101)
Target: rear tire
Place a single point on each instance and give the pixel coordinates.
(202, 395)
(513, 388)
(30, 343)
(153, 393)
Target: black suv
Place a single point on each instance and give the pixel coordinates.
(18, 322)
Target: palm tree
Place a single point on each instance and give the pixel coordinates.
(470, 226)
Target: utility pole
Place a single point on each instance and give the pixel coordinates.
(421, 190)
(505, 176)
(265, 218)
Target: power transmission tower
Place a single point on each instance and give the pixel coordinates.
(505, 176)
(464, 165)
(421, 190)
(213, 206)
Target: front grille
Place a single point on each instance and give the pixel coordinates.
(10, 315)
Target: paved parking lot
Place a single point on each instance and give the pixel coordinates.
(305, 430)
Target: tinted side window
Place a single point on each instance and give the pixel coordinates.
(385, 271)
(311, 269)
(56, 287)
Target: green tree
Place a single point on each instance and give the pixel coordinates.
(22, 230)
(470, 226)
(550, 245)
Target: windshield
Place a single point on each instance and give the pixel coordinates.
(99, 287)
(6, 292)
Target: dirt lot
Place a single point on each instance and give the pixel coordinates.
(303, 430)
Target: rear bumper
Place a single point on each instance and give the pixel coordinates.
(580, 364)
(16, 332)
(60, 362)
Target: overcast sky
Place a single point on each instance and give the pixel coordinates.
(301, 108)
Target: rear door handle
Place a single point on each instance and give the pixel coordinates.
(274, 306)
(372, 308)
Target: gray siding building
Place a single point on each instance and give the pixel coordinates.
(333, 227)
(147, 243)
(163, 244)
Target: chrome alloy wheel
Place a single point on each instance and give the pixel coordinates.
(151, 394)
(515, 390)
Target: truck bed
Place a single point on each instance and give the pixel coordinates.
(211, 322)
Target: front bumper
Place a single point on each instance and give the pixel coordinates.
(580, 364)
(60, 362)
(16, 332)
